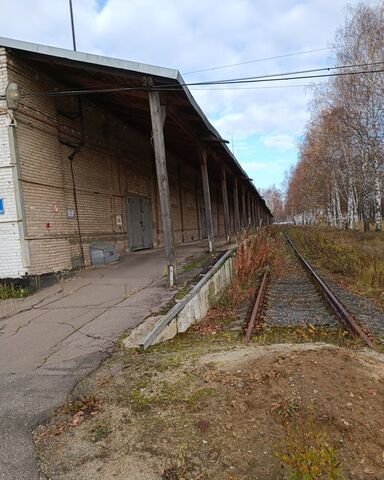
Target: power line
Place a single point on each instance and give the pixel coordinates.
(244, 80)
(298, 72)
(258, 60)
(224, 88)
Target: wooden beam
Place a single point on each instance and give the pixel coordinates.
(157, 119)
(207, 198)
(227, 226)
(183, 125)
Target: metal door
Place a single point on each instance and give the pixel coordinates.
(139, 223)
(146, 217)
(139, 218)
(134, 223)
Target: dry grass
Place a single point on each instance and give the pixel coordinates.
(256, 254)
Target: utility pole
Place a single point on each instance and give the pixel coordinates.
(72, 26)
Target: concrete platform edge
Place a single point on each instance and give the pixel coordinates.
(196, 303)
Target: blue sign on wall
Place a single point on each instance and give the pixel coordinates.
(2, 206)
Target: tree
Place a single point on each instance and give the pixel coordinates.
(340, 170)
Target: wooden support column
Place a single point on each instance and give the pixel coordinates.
(181, 202)
(253, 211)
(227, 225)
(257, 212)
(249, 222)
(207, 198)
(244, 207)
(158, 119)
(236, 207)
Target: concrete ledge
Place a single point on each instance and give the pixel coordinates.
(192, 308)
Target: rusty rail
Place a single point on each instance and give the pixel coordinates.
(339, 309)
(256, 307)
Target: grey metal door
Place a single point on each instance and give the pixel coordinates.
(139, 219)
(146, 217)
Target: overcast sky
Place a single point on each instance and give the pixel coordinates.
(264, 123)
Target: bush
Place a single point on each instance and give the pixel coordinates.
(257, 253)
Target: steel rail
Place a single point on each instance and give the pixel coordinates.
(339, 309)
(256, 307)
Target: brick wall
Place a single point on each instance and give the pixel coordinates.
(115, 161)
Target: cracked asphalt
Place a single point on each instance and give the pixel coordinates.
(56, 337)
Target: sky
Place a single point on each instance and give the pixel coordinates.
(263, 122)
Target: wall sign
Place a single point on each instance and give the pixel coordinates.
(55, 207)
(71, 214)
(2, 212)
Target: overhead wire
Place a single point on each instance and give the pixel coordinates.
(281, 74)
(219, 67)
(287, 76)
(224, 88)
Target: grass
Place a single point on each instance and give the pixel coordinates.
(356, 258)
(181, 293)
(8, 291)
(99, 432)
(197, 262)
(305, 334)
(308, 453)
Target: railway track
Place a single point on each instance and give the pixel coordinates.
(299, 298)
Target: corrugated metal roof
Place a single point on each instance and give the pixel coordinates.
(118, 64)
(93, 59)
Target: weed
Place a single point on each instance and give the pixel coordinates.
(175, 469)
(141, 402)
(196, 263)
(309, 453)
(285, 409)
(85, 405)
(99, 432)
(8, 291)
(200, 395)
(256, 254)
(181, 293)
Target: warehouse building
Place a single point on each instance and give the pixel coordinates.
(98, 150)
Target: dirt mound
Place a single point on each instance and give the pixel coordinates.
(233, 413)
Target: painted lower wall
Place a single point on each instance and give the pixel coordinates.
(11, 264)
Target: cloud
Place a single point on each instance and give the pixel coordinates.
(280, 141)
(193, 35)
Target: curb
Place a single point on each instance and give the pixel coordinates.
(165, 321)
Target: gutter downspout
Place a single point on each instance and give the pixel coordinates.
(71, 157)
(19, 195)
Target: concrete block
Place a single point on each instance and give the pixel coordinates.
(169, 332)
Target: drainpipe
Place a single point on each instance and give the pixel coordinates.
(13, 95)
(71, 157)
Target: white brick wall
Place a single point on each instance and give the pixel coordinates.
(10, 248)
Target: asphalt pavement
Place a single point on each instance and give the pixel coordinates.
(55, 338)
